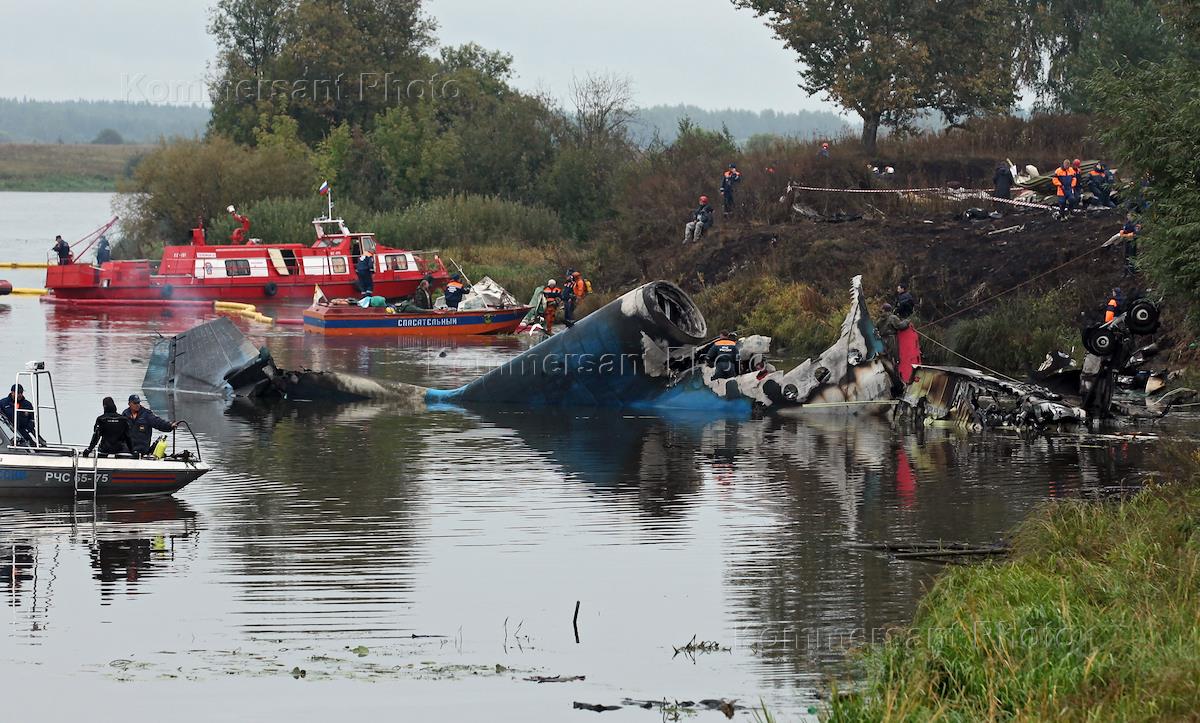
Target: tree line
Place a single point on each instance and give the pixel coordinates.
(355, 92)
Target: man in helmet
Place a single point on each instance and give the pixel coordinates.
(824, 152)
(551, 298)
(731, 178)
(702, 220)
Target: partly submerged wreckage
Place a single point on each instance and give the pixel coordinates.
(645, 351)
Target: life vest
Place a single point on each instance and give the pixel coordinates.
(1110, 310)
(725, 347)
(551, 294)
(1061, 175)
(581, 287)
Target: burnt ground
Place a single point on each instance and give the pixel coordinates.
(950, 264)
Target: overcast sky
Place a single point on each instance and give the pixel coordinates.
(704, 52)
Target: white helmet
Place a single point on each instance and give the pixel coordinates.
(551, 282)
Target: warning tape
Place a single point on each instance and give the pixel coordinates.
(950, 193)
(865, 190)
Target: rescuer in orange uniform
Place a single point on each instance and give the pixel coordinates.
(575, 289)
(551, 298)
(1066, 182)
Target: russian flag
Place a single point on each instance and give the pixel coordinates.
(324, 189)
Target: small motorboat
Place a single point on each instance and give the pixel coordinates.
(30, 466)
(487, 309)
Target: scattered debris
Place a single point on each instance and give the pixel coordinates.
(597, 707)
(361, 650)
(700, 646)
(555, 678)
(727, 706)
(937, 551)
(299, 673)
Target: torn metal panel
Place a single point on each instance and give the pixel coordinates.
(971, 398)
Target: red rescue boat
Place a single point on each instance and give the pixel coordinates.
(251, 271)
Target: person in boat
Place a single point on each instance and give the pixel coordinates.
(103, 251)
(63, 249)
(551, 297)
(423, 297)
(111, 431)
(18, 412)
(142, 425)
(365, 269)
(723, 356)
(455, 289)
(888, 326)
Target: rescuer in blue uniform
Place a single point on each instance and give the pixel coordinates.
(63, 249)
(723, 356)
(16, 403)
(1100, 181)
(454, 291)
(365, 268)
(111, 431)
(142, 424)
(731, 178)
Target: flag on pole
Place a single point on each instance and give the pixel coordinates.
(324, 189)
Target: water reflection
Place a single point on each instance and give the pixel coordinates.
(328, 527)
(128, 543)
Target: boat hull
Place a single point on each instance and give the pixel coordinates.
(355, 321)
(35, 475)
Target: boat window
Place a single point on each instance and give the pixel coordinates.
(368, 244)
(339, 264)
(237, 267)
(396, 262)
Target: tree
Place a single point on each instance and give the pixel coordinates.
(1075, 40)
(321, 62)
(888, 61)
(108, 137)
(1151, 120)
(603, 109)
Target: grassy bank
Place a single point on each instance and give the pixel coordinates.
(1095, 617)
(65, 167)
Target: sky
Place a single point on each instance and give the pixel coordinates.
(701, 52)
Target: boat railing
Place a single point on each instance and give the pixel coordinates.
(195, 441)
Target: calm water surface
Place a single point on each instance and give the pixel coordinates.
(423, 564)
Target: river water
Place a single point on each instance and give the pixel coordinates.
(426, 563)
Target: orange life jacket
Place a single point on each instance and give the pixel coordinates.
(1110, 310)
(1059, 175)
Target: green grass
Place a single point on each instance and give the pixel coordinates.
(65, 167)
(1095, 618)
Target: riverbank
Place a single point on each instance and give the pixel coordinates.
(1095, 617)
(66, 167)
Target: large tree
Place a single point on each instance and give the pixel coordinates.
(321, 62)
(890, 60)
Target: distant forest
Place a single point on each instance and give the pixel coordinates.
(742, 124)
(81, 121)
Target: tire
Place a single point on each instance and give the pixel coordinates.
(1101, 342)
(1142, 317)
(271, 289)
(167, 291)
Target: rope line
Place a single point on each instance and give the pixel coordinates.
(967, 358)
(1026, 282)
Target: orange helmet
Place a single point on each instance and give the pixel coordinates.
(704, 199)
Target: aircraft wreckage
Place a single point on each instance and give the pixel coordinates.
(645, 351)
